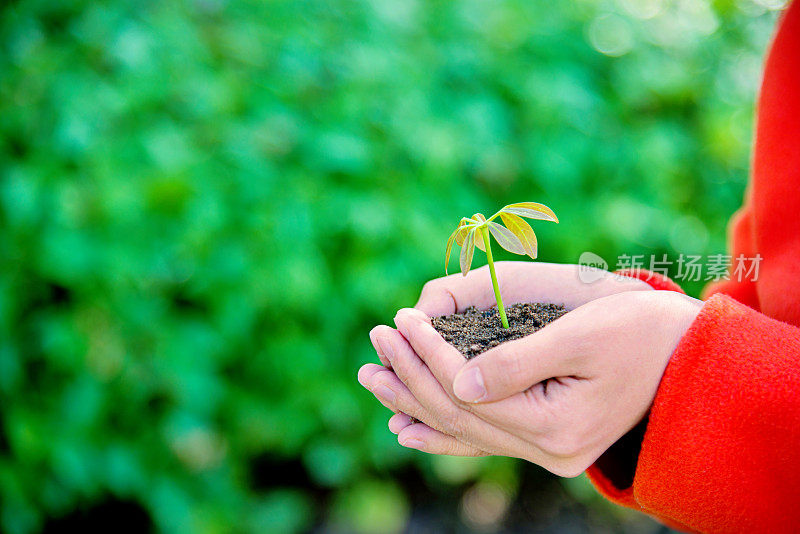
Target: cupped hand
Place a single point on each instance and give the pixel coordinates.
(558, 398)
(522, 281)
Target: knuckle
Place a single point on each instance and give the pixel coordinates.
(451, 447)
(401, 402)
(436, 290)
(410, 374)
(383, 376)
(452, 421)
(513, 363)
(408, 370)
(510, 363)
(409, 406)
(431, 287)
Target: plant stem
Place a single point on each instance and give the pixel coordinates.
(500, 308)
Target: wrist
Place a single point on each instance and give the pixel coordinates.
(680, 312)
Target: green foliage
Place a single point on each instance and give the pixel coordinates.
(198, 203)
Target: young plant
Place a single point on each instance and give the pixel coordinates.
(516, 236)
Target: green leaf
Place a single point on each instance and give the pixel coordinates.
(479, 239)
(467, 251)
(506, 238)
(532, 210)
(464, 226)
(450, 247)
(479, 231)
(462, 234)
(523, 231)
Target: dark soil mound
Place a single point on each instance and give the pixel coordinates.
(475, 331)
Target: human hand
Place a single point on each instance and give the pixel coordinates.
(558, 398)
(521, 281)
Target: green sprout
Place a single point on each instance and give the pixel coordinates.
(516, 236)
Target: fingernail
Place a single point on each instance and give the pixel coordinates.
(412, 443)
(386, 350)
(468, 386)
(384, 393)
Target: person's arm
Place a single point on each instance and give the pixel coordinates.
(721, 450)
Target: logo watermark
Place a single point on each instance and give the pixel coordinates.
(686, 267)
(591, 268)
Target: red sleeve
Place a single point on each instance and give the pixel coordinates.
(769, 223)
(720, 449)
(740, 235)
(720, 452)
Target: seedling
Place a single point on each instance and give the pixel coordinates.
(516, 236)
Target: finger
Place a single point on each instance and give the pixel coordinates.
(365, 375)
(454, 293)
(366, 372)
(424, 438)
(413, 371)
(528, 413)
(394, 394)
(437, 298)
(412, 375)
(441, 412)
(399, 421)
(569, 285)
(514, 366)
(444, 360)
(376, 345)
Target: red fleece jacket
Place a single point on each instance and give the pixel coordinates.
(720, 450)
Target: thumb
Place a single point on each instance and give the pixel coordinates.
(515, 366)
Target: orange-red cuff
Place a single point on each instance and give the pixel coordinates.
(720, 450)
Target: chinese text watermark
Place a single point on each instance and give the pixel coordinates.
(685, 268)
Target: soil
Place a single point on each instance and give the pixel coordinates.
(475, 331)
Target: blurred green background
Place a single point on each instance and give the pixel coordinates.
(205, 205)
